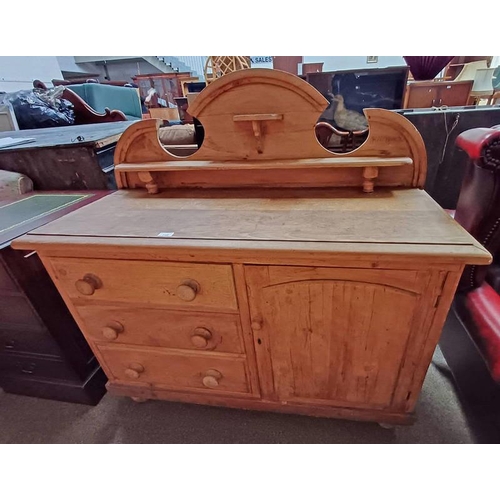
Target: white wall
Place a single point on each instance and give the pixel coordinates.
(333, 63)
(67, 63)
(18, 72)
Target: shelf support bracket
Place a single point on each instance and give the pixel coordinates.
(151, 184)
(369, 175)
(257, 120)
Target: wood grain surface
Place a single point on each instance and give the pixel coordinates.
(259, 116)
(343, 215)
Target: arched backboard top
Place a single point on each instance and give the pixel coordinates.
(272, 78)
(265, 119)
(258, 114)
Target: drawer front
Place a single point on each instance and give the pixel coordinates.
(36, 367)
(161, 283)
(163, 328)
(6, 282)
(177, 371)
(17, 310)
(29, 341)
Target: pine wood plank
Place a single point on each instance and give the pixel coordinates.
(331, 254)
(387, 216)
(312, 163)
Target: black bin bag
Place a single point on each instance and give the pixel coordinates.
(39, 108)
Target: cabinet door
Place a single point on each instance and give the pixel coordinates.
(336, 336)
(422, 96)
(454, 94)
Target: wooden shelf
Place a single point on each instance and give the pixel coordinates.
(148, 171)
(352, 162)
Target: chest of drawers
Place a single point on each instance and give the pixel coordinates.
(42, 351)
(299, 281)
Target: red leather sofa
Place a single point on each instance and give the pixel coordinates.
(471, 346)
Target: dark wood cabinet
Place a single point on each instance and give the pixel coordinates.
(446, 163)
(66, 158)
(287, 63)
(168, 86)
(42, 350)
(429, 94)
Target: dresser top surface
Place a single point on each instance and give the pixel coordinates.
(387, 216)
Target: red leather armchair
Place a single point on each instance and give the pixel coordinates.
(474, 356)
(478, 211)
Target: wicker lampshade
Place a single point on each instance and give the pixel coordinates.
(217, 66)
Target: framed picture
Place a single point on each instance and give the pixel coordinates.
(364, 88)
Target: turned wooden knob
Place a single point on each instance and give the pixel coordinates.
(112, 330)
(188, 290)
(134, 370)
(211, 378)
(89, 284)
(200, 337)
(256, 325)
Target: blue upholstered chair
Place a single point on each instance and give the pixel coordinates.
(99, 97)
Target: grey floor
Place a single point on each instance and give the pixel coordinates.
(440, 419)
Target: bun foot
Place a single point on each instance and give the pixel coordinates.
(386, 426)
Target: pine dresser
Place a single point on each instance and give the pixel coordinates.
(264, 271)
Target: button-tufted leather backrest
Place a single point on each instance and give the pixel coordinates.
(478, 208)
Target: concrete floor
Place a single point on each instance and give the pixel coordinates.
(440, 419)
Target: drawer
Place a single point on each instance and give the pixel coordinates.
(176, 371)
(6, 282)
(20, 339)
(163, 328)
(169, 284)
(35, 367)
(17, 310)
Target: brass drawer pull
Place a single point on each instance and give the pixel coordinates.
(112, 330)
(200, 337)
(188, 290)
(89, 284)
(134, 370)
(211, 379)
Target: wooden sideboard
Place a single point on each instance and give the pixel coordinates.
(264, 272)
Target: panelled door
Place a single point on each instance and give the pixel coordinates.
(336, 336)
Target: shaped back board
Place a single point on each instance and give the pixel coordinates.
(259, 131)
